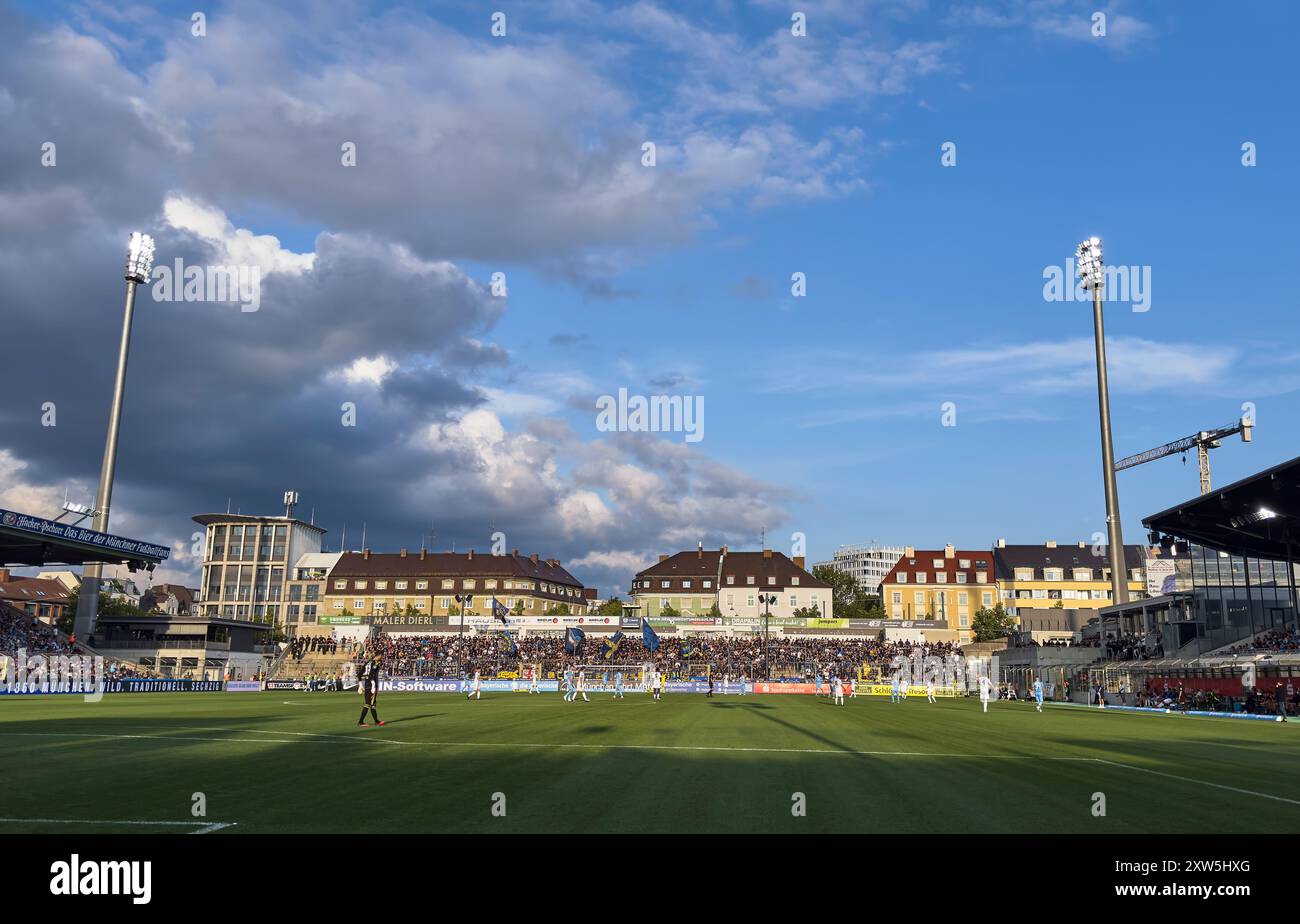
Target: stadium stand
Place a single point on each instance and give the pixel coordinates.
(442, 655)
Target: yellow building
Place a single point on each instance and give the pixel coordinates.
(1038, 582)
(947, 586)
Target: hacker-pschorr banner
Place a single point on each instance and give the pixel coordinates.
(70, 533)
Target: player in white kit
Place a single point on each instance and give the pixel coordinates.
(582, 687)
(929, 690)
(475, 688)
(902, 689)
(837, 690)
(986, 688)
(532, 681)
(853, 688)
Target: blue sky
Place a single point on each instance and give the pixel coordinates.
(777, 154)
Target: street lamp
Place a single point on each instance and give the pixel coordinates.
(465, 601)
(1092, 275)
(767, 600)
(139, 264)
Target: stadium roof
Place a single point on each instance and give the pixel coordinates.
(1257, 516)
(29, 540)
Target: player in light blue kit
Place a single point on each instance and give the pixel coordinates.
(893, 689)
(618, 684)
(570, 691)
(817, 690)
(1038, 694)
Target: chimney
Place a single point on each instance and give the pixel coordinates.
(663, 558)
(724, 550)
(1002, 543)
(514, 553)
(553, 562)
(365, 555)
(423, 554)
(767, 553)
(4, 575)
(1082, 544)
(403, 553)
(909, 551)
(533, 558)
(798, 562)
(949, 551)
(1051, 543)
(699, 550)
(469, 556)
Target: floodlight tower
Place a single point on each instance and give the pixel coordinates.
(1093, 276)
(139, 264)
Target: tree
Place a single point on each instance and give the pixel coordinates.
(670, 612)
(990, 624)
(807, 612)
(714, 611)
(848, 600)
(611, 607)
(108, 606)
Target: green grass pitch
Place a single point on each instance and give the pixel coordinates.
(292, 762)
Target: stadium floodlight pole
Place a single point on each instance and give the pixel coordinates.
(767, 600)
(139, 264)
(1093, 276)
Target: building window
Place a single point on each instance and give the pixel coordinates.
(686, 584)
(1024, 574)
(421, 585)
(1083, 574)
(1053, 574)
(381, 585)
(360, 585)
(771, 580)
(987, 599)
(707, 584)
(338, 604)
(902, 577)
(794, 581)
(469, 583)
(794, 602)
(941, 577)
(937, 564)
(963, 562)
(448, 584)
(921, 577)
(358, 604)
(961, 577)
(400, 585)
(898, 597)
(731, 579)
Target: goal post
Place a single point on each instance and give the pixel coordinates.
(601, 678)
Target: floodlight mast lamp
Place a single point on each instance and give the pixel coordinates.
(1092, 275)
(139, 265)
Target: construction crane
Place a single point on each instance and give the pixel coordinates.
(1203, 442)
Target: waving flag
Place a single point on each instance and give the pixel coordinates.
(690, 649)
(511, 648)
(648, 636)
(499, 610)
(573, 639)
(610, 645)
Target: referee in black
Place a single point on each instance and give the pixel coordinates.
(369, 686)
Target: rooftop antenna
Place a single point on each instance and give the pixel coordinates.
(227, 506)
(363, 535)
(313, 516)
(343, 543)
(290, 501)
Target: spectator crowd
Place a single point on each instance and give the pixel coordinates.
(451, 655)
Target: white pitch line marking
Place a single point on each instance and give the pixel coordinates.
(1188, 779)
(665, 747)
(204, 827)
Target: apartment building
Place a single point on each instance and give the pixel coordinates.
(247, 562)
(866, 564)
(375, 587)
(948, 585)
(693, 583)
